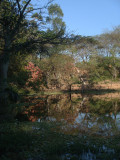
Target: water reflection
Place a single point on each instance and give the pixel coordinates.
(94, 114)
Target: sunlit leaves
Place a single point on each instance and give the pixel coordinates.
(55, 18)
(55, 10)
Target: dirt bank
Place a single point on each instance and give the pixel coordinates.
(101, 85)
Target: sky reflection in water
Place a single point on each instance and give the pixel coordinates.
(94, 114)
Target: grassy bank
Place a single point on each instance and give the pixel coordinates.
(55, 92)
(46, 141)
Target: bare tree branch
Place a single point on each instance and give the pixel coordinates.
(18, 6)
(24, 8)
(40, 8)
(54, 39)
(17, 26)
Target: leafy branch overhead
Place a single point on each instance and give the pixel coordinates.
(23, 25)
(14, 24)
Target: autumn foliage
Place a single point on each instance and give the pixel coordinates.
(35, 75)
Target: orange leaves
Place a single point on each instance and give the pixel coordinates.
(35, 73)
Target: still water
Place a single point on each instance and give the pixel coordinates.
(94, 114)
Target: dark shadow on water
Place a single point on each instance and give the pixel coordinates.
(91, 91)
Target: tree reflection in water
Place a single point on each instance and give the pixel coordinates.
(80, 113)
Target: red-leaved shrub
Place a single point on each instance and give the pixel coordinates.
(35, 76)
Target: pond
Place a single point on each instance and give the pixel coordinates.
(81, 113)
(87, 126)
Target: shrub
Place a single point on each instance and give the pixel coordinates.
(35, 76)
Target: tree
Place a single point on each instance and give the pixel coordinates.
(59, 70)
(111, 50)
(101, 58)
(13, 22)
(55, 23)
(55, 17)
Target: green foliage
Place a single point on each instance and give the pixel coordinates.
(55, 10)
(99, 56)
(55, 17)
(20, 34)
(59, 69)
(42, 36)
(17, 73)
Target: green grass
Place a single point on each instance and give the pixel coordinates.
(46, 141)
(53, 92)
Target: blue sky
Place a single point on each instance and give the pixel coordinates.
(90, 17)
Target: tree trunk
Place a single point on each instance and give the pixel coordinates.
(115, 73)
(3, 74)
